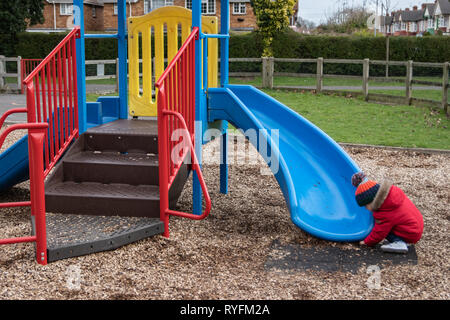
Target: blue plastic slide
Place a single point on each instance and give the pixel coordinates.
(313, 171)
(14, 164)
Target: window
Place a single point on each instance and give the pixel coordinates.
(150, 5)
(208, 6)
(403, 26)
(239, 8)
(115, 9)
(94, 14)
(65, 9)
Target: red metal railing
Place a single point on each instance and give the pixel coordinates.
(176, 119)
(52, 97)
(52, 114)
(26, 66)
(36, 137)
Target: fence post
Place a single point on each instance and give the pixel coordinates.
(101, 69)
(267, 72)
(2, 70)
(19, 73)
(445, 86)
(387, 56)
(409, 78)
(319, 80)
(366, 72)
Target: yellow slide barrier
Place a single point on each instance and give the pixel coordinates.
(147, 40)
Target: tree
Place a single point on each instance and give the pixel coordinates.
(347, 19)
(15, 16)
(272, 17)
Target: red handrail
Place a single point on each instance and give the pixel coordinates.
(10, 112)
(176, 115)
(52, 116)
(52, 97)
(36, 137)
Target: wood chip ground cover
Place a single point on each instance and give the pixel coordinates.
(225, 256)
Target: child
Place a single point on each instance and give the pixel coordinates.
(396, 218)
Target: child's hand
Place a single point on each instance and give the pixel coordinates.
(362, 243)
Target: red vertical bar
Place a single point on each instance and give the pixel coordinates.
(179, 90)
(61, 117)
(170, 107)
(36, 141)
(45, 119)
(163, 159)
(55, 109)
(31, 118)
(38, 98)
(75, 92)
(64, 79)
(69, 79)
(192, 93)
(50, 114)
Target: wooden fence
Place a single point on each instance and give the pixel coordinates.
(4, 71)
(268, 74)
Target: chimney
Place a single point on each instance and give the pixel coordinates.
(415, 8)
(407, 9)
(393, 13)
(424, 6)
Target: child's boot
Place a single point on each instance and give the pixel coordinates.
(395, 247)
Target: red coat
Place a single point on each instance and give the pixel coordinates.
(397, 214)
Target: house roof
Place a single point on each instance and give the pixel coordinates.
(444, 5)
(412, 15)
(430, 8)
(397, 16)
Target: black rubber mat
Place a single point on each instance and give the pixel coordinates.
(71, 235)
(292, 257)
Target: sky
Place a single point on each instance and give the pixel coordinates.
(318, 10)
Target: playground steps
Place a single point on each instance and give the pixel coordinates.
(111, 170)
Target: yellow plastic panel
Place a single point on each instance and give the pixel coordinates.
(142, 94)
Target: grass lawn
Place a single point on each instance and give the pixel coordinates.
(356, 121)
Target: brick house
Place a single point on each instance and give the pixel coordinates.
(101, 15)
(58, 16)
(442, 15)
(430, 18)
(241, 12)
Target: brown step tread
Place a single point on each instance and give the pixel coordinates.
(114, 158)
(92, 198)
(127, 127)
(112, 167)
(100, 190)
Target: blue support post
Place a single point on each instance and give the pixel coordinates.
(224, 55)
(81, 69)
(199, 105)
(123, 71)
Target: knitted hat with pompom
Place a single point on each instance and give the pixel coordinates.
(366, 189)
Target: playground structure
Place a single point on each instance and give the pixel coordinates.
(100, 164)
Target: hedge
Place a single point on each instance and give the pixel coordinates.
(286, 45)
